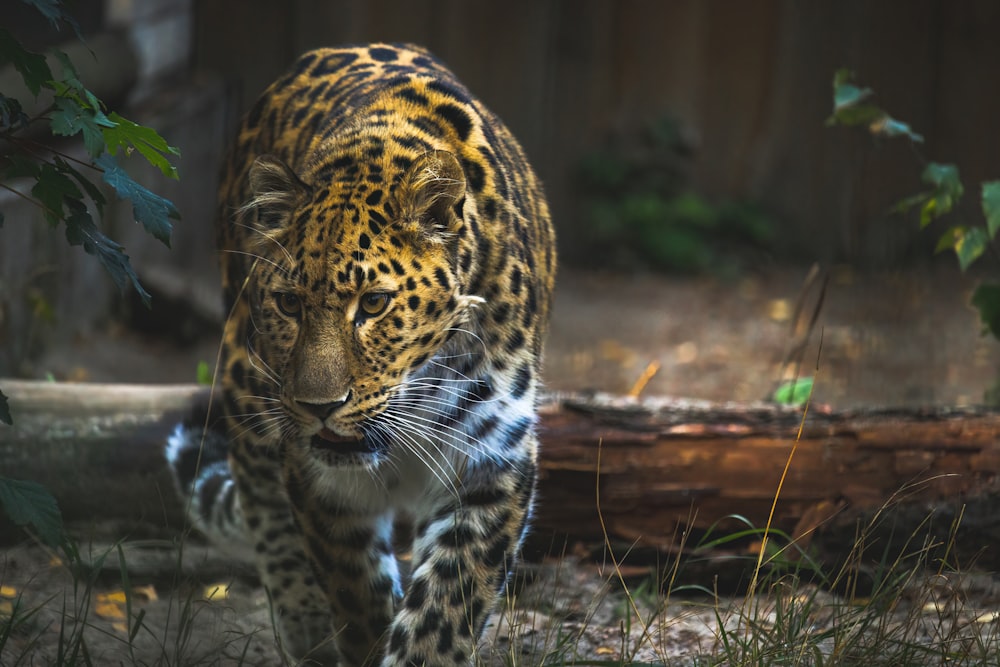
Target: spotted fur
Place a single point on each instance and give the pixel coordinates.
(387, 262)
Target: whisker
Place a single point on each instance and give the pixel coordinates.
(454, 437)
(267, 236)
(410, 436)
(463, 394)
(265, 370)
(266, 426)
(277, 266)
(472, 334)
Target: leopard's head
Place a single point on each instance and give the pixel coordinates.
(355, 286)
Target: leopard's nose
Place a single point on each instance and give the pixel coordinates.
(322, 410)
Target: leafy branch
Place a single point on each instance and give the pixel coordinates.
(66, 195)
(30, 504)
(63, 189)
(853, 107)
(63, 193)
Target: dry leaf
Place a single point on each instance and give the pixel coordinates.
(110, 605)
(113, 596)
(216, 592)
(109, 610)
(644, 379)
(147, 593)
(779, 310)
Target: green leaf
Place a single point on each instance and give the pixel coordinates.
(81, 230)
(65, 118)
(795, 392)
(21, 166)
(970, 245)
(30, 504)
(848, 107)
(904, 205)
(151, 210)
(864, 114)
(31, 66)
(53, 189)
(950, 238)
(986, 299)
(204, 373)
(931, 209)
(68, 75)
(947, 191)
(943, 176)
(125, 134)
(891, 127)
(849, 95)
(69, 117)
(967, 242)
(12, 116)
(991, 207)
(5, 410)
(92, 190)
(851, 109)
(69, 85)
(845, 93)
(842, 76)
(53, 11)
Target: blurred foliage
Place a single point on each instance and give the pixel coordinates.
(641, 213)
(852, 107)
(204, 374)
(30, 504)
(64, 192)
(62, 186)
(794, 392)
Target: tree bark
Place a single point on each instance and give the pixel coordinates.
(669, 472)
(651, 472)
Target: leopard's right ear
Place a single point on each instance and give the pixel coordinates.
(277, 191)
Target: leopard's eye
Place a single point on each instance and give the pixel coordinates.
(372, 304)
(288, 303)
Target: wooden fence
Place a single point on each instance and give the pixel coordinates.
(748, 80)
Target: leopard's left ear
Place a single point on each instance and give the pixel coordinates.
(430, 196)
(277, 191)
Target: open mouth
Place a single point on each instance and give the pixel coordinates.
(332, 442)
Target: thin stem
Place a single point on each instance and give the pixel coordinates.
(31, 200)
(30, 144)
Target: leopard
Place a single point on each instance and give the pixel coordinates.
(387, 261)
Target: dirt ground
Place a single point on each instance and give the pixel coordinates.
(887, 339)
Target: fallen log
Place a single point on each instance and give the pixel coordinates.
(648, 472)
(672, 471)
(98, 448)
